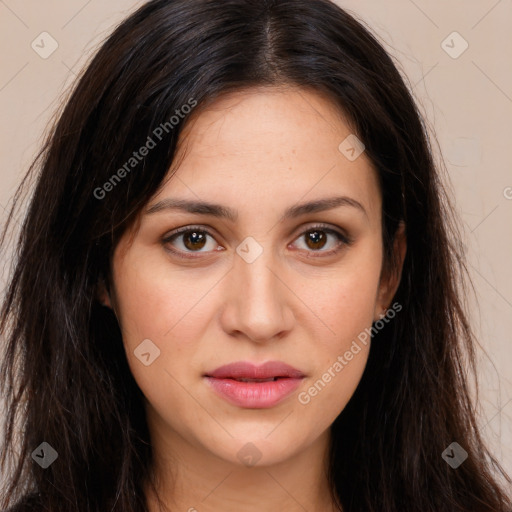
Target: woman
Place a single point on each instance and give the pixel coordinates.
(238, 281)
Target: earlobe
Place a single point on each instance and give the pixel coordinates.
(390, 282)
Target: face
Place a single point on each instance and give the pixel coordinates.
(255, 279)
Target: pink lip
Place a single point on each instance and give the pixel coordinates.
(255, 395)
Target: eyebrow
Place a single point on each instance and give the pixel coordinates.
(217, 210)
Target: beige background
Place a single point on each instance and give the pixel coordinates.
(467, 100)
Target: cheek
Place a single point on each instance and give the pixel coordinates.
(156, 315)
(329, 390)
(340, 353)
(345, 311)
(162, 313)
(156, 301)
(344, 300)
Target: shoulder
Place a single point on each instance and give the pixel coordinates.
(29, 503)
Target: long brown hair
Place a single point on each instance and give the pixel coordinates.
(66, 379)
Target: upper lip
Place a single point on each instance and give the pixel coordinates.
(246, 370)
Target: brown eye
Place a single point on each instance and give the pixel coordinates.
(189, 240)
(316, 238)
(194, 240)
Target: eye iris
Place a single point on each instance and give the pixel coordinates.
(194, 237)
(318, 239)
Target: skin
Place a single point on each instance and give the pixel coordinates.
(259, 152)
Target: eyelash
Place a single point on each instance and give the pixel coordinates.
(344, 240)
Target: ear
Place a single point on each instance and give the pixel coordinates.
(390, 277)
(103, 295)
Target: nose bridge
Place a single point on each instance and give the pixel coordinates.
(259, 305)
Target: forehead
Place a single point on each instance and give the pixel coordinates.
(280, 121)
(268, 148)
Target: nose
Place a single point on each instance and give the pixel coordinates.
(258, 304)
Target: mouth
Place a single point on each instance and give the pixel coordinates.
(254, 387)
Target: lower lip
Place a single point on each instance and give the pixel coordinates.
(254, 395)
